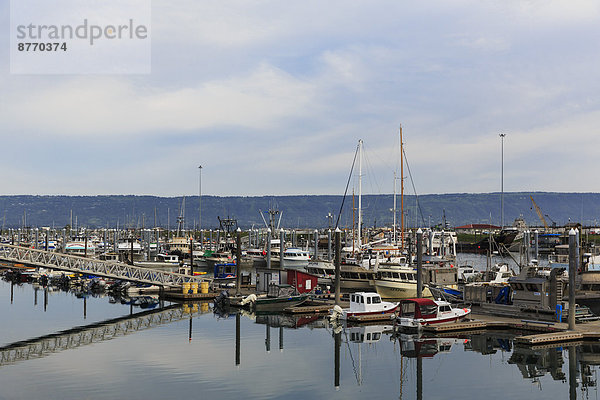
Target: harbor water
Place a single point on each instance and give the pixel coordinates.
(56, 345)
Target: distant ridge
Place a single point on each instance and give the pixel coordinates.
(301, 211)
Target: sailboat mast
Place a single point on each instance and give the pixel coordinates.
(394, 227)
(401, 189)
(360, 144)
(353, 223)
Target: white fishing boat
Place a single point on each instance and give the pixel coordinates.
(364, 303)
(295, 258)
(419, 312)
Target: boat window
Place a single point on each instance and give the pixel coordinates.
(403, 277)
(353, 299)
(354, 275)
(532, 287)
(445, 308)
(368, 336)
(376, 336)
(363, 276)
(517, 286)
(376, 300)
(396, 275)
(427, 309)
(368, 300)
(408, 309)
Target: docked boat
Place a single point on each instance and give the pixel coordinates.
(225, 271)
(416, 313)
(364, 303)
(278, 298)
(396, 282)
(295, 258)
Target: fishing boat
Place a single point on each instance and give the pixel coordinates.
(365, 303)
(396, 282)
(279, 297)
(416, 313)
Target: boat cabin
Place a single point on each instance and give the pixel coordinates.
(168, 258)
(365, 302)
(423, 308)
(225, 271)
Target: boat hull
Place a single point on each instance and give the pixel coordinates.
(267, 304)
(396, 290)
(412, 323)
(350, 314)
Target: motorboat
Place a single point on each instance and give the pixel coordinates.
(419, 312)
(364, 303)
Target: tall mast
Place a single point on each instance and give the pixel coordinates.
(353, 223)
(401, 189)
(360, 143)
(394, 228)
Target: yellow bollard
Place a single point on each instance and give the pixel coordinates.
(194, 287)
(204, 287)
(185, 288)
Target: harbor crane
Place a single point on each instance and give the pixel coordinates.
(539, 213)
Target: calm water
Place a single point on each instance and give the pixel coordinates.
(297, 361)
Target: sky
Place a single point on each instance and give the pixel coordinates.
(271, 98)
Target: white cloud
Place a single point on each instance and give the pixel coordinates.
(286, 89)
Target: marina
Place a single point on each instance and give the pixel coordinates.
(191, 347)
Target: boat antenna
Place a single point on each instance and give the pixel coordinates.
(347, 185)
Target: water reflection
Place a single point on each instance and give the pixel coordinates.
(232, 350)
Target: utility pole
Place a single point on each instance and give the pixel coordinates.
(502, 136)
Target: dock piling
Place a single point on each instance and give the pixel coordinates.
(419, 263)
(238, 261)
(573, 261)
(338, 256)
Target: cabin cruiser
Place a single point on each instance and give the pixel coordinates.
(419, 312)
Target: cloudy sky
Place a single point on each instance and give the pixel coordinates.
(271, 97)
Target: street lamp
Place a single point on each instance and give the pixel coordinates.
(200, 199)
(502, 136)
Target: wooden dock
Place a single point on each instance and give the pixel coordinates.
(456, 327)
(371, 318)
(549, 338)
(311, 309)
(178, 296)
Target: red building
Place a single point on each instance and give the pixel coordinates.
(302, 281)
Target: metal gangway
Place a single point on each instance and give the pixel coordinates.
(82, 265)
(94, 333)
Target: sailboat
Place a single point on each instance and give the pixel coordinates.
(396, 279)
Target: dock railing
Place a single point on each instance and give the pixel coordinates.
(82, 265)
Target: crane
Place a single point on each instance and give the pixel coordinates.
(539, 213)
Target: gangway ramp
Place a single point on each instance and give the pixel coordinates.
(82, 265)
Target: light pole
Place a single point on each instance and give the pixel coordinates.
(200, 199)
(502, 136)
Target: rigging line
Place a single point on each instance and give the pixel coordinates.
(351, 358)
(346, 191)
(372, 183)
(414, 188)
